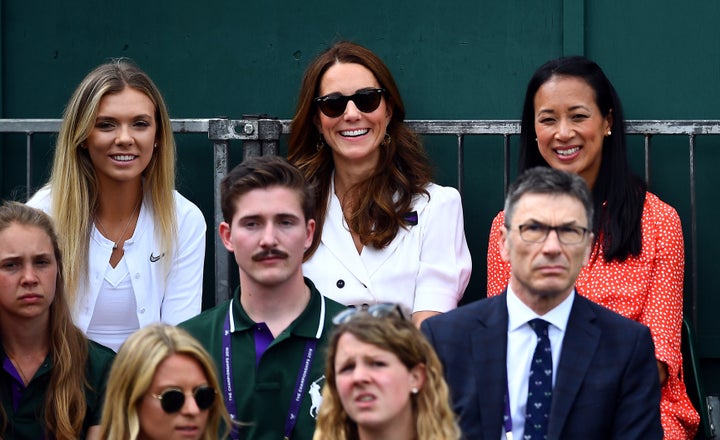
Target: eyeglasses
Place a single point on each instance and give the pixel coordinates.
(538, 233)
(381, 310)
(334, 104)
(173, 399)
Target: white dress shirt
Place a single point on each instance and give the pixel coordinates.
(521, 346)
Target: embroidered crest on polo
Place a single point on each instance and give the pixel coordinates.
(316, 396)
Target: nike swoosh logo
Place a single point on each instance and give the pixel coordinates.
(154, 258)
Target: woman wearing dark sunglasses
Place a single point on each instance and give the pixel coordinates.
(383, 380)
(162, 386)
(384, 231)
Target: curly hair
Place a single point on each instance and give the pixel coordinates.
(434, 417)
(383, 198)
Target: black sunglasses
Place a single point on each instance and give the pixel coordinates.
(334, 104)
(381, 310)
(173, 399)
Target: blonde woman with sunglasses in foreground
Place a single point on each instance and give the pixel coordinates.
(384, 231)
(162, 386)
(383, 380)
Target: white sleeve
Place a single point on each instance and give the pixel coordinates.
(183, 288)
(445, 262)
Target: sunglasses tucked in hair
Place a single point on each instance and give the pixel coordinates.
(173, 399)
(334, 104)
(381, 310)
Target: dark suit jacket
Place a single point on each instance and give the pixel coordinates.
(607, 384)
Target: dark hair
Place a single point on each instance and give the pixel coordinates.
(264, 172)
(546, 180)
(403, 170)
(618, 195)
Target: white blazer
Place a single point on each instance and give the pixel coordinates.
(173, 296)
(425, 268)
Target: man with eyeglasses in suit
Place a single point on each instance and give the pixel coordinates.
(540, 361)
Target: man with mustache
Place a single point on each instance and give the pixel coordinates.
(540, 361)
(268, 340)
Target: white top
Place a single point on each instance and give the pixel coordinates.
(173, 296)
(522, 340)
(114, 317)
(426, 267)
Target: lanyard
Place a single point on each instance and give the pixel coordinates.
(507, 419)
(301, 383)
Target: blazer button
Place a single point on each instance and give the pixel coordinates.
(340, 284)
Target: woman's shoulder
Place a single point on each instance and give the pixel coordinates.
(100, 358)
(655, 208)
(42, 199)
(184, 206)
(436, 196)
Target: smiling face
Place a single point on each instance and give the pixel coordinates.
(545, 273)
(122, 141)
(570, 127)
(181, 372)
(374, 386)
(28, 273)
(268, 236)
(354, 136)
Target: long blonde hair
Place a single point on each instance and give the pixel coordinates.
(65, 402)
(73, 180)
(434, 419)
(132, 374)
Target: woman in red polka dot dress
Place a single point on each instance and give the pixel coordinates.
(572, 120)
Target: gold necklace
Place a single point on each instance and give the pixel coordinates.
(19, 368)
(122, 234)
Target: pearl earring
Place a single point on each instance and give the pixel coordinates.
(414, 390)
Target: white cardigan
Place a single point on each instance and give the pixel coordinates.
(426, 267)
(171, 297)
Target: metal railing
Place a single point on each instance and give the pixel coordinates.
(261, 136)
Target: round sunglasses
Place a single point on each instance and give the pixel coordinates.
(334, 104)
(380, 310)
(173, 399)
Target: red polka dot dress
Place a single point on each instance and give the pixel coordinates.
(647, 289)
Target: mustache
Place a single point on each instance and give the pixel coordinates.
(269, 253)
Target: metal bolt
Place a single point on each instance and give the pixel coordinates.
(248, 128)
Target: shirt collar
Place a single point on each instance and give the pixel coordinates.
(519, 313)
(310, 323)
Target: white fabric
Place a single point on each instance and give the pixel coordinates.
(426, 267)
(521, 346)
(170, 297)
(114, 317)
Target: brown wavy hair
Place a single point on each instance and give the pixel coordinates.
(434, 418)
(384, 198)
(65, 402)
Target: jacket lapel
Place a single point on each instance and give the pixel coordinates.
(579, 345)
(489, 354)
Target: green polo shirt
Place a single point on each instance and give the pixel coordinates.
(28, 422)
(263, 393)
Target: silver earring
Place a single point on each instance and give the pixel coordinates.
(155, 146)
